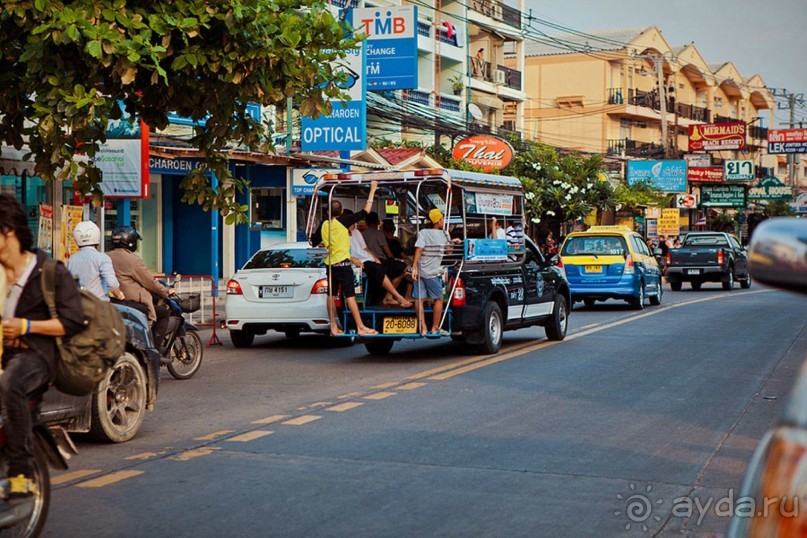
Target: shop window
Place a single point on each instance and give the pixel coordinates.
(267, 208)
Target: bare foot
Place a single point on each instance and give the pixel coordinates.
(404, 303)
(337, 331)
(367, 331)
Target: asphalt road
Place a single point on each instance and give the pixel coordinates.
(300, 438)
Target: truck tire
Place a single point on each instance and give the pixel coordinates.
(242, 338)
(492, 328)
(379, 346)
(675, 285)
(728, 280)
(559, 322)
(746, 282)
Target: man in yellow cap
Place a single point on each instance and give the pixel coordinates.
(426, 271)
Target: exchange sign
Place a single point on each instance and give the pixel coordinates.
(739, 170)
(392, 46)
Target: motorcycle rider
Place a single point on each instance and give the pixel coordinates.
(29, 343)
(93, 268)
(136, 281)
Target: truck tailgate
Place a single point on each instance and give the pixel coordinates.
(694, 256)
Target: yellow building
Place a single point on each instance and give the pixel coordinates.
(602, 93)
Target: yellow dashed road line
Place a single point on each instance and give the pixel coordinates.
(412, 386)
(211, 436)
(386, 385)
(379, 395)
(347, 406)
(75, 475)
(250, 436)
(299, 421)
(269, 420)
(109, 479)
(196, 453)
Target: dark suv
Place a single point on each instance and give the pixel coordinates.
(115, 412)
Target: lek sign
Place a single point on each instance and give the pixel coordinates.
(392, 46)
(345, 128)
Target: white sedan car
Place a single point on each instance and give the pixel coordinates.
(282, 288)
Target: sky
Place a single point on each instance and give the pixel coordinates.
(765, 37)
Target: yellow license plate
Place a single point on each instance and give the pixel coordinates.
(593, 268)
(400, 326)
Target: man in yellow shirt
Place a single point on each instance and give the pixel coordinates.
(336, 239)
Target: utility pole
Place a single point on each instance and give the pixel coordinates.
(791, 159)
(662, 95)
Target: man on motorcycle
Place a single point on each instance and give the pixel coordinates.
(136, 282)
(92, 268)
(29, 342)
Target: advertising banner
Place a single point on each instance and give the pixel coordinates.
(738, 170)
(71, 215)
(723, 196)
(770, 188)
(124, 158)
(667, 176)
(345, 128)
(488, 250)
(787, 141)
(669, 223)
(303, 180)
(485, 151)
(705, 174)
(494, 204)
(717, 136)
(698, 159)
(44, 236)
(392, 46)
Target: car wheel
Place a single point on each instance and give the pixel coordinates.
(655, 300)
(241, 338)
(492, 328)
(589, 303)
(728, 281)
(696, 285)
(119, 403)
(559, 323)
(745, 284)
(675, 285)
(186, 356)
(292, 333)
(638, 302)
(379, 346)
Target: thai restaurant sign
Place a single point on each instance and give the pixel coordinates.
(717, 136)
(705, 174)
(486, 152)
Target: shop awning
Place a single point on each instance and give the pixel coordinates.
(484, 99)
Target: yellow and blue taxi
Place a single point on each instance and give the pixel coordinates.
(611, 262)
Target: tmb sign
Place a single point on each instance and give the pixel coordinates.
(486, 152)
(717, 136)
(787, 141)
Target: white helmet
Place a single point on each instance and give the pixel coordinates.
(86, 233)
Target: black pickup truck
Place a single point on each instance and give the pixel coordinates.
(708, 257)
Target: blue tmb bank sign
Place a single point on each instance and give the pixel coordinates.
(392, 46)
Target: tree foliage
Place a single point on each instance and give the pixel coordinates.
(67, 66)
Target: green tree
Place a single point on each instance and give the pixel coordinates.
(778, 208)
(66, 66)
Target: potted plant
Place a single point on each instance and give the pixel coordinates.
(456, 84)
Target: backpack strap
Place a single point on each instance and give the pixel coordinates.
(49, 286)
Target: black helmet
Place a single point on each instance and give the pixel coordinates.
(125, 237)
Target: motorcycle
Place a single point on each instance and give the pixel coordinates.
(52, 447)
(181, 350)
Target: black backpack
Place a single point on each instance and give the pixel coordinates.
(86, 356)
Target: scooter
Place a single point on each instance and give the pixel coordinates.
(52, 447)
(181, 350)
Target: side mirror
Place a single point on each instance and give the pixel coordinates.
(778, 253)
(555, 259)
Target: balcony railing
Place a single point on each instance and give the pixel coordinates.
(512, 77)
(693, 112)
(449, 104)
(416, 96)
(498, 12)
(758, 133)
(482, 70)
(650, 100)
(632, 148)
(724, 119)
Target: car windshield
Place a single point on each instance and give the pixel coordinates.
(287, 258)
(706, 240)
(594, 245)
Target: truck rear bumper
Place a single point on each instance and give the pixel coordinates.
(701, 274)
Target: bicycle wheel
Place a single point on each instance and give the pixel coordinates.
(186, 356)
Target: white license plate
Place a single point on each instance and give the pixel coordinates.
(693, 271)
(270, 292)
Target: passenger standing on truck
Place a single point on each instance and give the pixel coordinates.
(365, 258)
(426, 271)
(336, 239)
(496, 230)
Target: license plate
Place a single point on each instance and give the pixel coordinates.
(693, 271)
(270, 292)
(593, 268)
(400, 325)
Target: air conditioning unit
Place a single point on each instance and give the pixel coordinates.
(499, 76)
(497, 12)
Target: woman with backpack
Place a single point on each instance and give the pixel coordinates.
(29, 341)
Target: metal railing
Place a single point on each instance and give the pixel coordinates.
(632, 148)
(498, 12)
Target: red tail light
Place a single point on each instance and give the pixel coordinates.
(320, 287)
(560, 261)
(669, 259)
(629, 264)
(720, 259)
(458, 299)
(234, 288)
